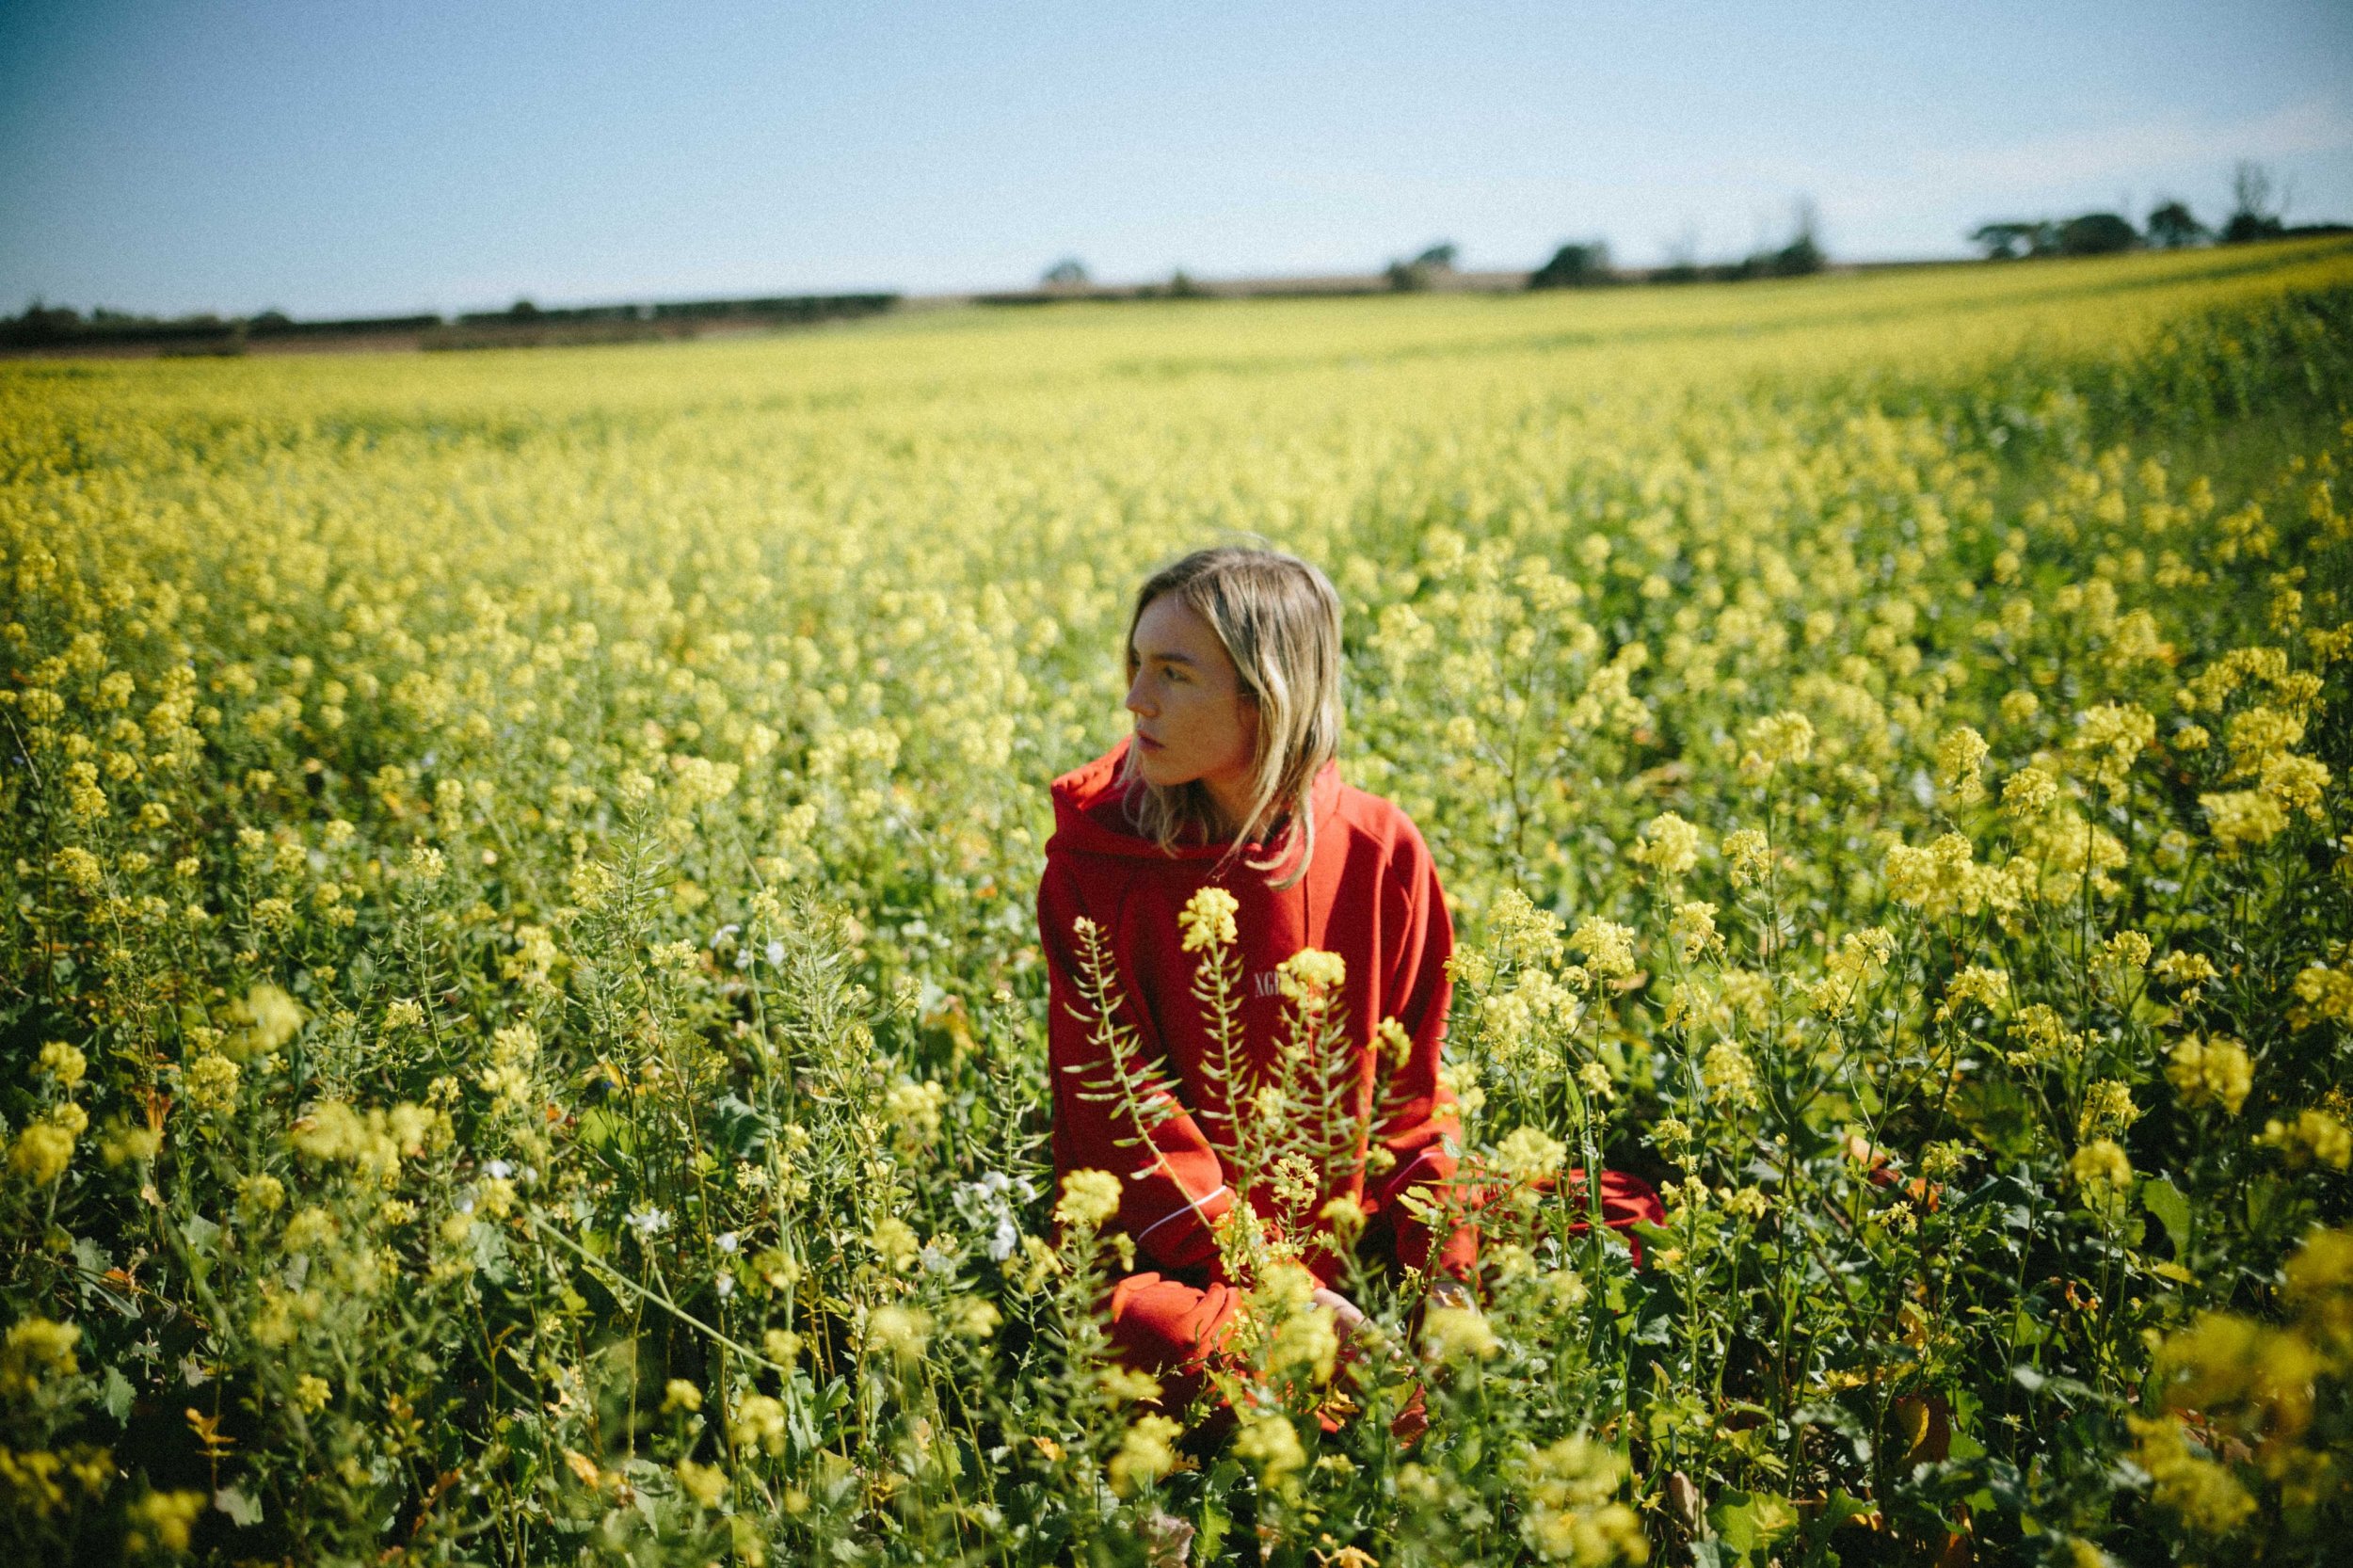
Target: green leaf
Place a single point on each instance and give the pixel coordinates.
(202, 1233)
(115, 1395)
(1749, 1522)
(2168, 1208)
(242, 1510)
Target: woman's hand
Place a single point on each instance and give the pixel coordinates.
(1345, 1315)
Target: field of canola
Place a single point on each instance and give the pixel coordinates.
(522, 1035)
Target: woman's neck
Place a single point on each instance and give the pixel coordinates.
(1229, 806)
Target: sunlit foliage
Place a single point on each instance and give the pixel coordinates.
(524, 1025)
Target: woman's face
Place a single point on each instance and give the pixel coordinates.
(1194, 720)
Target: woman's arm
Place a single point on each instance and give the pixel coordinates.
(1173, 1184)
(1414, 1123)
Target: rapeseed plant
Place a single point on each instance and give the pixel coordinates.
(525, 1020)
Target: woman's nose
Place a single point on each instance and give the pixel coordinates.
(1138, 703)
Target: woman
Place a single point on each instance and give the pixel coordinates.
(1228, 781)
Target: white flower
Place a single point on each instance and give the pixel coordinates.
(728, 1241)
(725, 1284)
(776, 955)
(648, 1221)
(498, 1169)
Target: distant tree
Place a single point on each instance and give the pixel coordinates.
(41, 323)
(2097, 235)
(1183, 285)
(2256, 212)
(1573, 266)
(2173, 227)
(1068, 273)
(1804, 253)
(523, 310)
(2009, 241)
(1406, 277)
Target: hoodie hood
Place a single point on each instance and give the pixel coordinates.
(1090, 813)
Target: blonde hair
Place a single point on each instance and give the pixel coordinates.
(1280, 622)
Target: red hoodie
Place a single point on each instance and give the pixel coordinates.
(1370, 895)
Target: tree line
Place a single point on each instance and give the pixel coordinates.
(2258, 212)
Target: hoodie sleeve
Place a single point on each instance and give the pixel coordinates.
(1170, 1185)
(1415, 1117)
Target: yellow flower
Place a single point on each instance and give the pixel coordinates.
(2111, 737)
(2257, 734)
(1207, 919)
(1979, 985)
(1748, 1202)
(1749, 855)
(1268, 1445)
(211, 1083)
(2027, 794)
(1784, 737)
(1307, 1341)
(2243, 818)
(970, 1317)
(1147, 1452)
(1959, 758)
(79, 868)
(63, 1066)
(1311, 976)
(1527, 1153)
(2100, 1167)
(265, 1020)
(41, 1152)
(1452, 1334)
(2108, 1108)
(1569, 1512)
(1694, 927)
(1668, 845)
(2203, 1495)
(895, 1242)
(1088, 1198)
(1730, 1076)
(2314, 1138)
(2214, 1071)
(162, 1521)
(1608, 947)
(680, 1395)
(915, 1108)
(705, 1483)
(2295, 784)
(759, 1423)
(2183, 968)
(1523, 934)
(2328, 992)
(36, 1349)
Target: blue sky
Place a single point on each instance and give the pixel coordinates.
(335, 156)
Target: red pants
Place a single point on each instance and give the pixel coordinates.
(1170, 1325)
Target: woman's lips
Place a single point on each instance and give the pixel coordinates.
(1147, 742)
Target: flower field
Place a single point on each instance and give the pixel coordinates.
(524, 1032)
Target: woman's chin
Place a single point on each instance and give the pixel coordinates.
(1156, 770)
